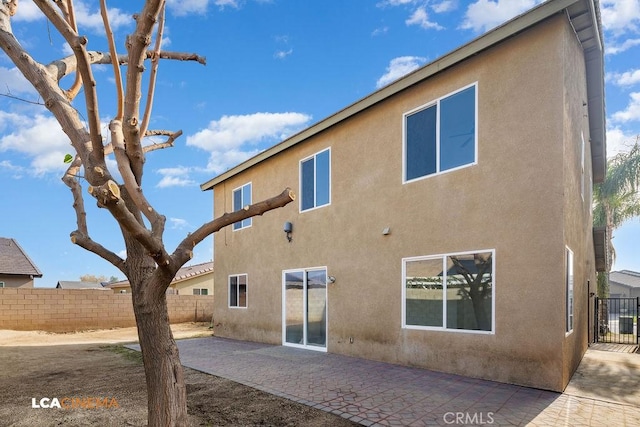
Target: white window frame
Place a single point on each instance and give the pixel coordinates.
(1, 284)
(247, 221)
(246, 301)
(315, 204)
(444, 291)
(428, 105)
(569, 290)
(200, 291)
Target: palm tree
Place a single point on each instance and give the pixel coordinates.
(617, 200)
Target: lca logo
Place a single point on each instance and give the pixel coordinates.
(74, 403)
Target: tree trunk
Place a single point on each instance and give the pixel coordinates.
(166, 390)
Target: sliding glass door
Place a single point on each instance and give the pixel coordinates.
(305, 308)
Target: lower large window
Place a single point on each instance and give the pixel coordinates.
(238, 290)
(450, 291)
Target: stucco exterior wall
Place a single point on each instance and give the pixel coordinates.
(512, 201)
(11, 281)
(578, 220)
(186, 287)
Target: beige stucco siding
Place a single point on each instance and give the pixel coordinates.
(12, 281)
(578, 221)
(186, 287)
(512, 201)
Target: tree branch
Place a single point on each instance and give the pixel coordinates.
(114, 61)
(184, 251)
(137, 45)
(85, 242)
(77, 44)
(133, 187)
(155, 62)
(71, 180)
(65, 66)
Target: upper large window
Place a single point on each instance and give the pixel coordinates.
(315, 180)
(452, 291)
(242, 198)
(441, 136)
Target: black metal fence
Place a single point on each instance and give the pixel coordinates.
(616, 320)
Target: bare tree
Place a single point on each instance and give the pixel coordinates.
(148, 266)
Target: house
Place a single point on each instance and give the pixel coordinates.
(194, 279)
(17, 270)
(624, 284)
(444, 221)
(66, 284)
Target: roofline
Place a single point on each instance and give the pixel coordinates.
(503, 32)
(38, 274)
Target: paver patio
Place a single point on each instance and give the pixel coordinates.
(381, 394)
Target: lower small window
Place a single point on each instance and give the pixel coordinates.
(450, 291)
(1, 284)
(238, 290)
(202, 291)
(569, 290)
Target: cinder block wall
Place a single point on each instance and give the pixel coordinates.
(68, 310)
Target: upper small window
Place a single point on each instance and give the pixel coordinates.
(1, 284)
(315, 180)
(242, 198)
(441, 136)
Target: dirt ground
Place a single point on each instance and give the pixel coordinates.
(93, 369)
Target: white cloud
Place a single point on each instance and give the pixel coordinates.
(175, 177)
(620, 16)
(16, 170)
(628, 78)
(380, 31)
(86, 19)
(14, 83)
(483, 15)
(28, 11)
(224, 3)
(199, 7)
(281, 54)
(179, 223)
(614, 49)
(233, 139)
(631, 113)
(39, 137)
(399, 67)
(185, 7)
(93, 20)
(420, 17)
(394, 3)
(618, 141)
(445, 6)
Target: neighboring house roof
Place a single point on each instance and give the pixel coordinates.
(66, 284)
(15, 261)
(185, 273)
(585, 19)
(189, 271)
(627, 278)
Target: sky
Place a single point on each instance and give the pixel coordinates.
(274, 67)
